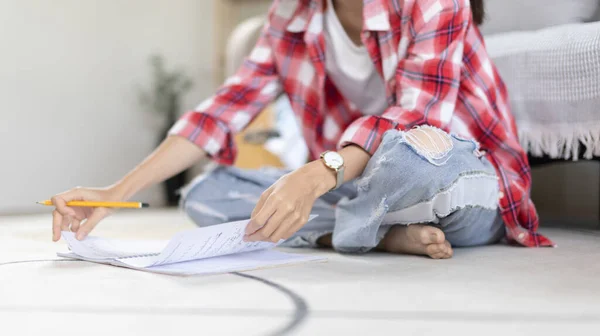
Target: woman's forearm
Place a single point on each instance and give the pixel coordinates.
(286, 206)
(355, 161)
(173, 156)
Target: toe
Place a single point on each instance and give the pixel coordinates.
(449, 250)
(431, 235)
(434, 249)
(441, 256)
(439, 251)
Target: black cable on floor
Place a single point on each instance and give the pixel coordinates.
(300, 305)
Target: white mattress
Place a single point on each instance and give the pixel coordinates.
(553, 79)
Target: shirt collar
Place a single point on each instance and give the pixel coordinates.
(375, 14)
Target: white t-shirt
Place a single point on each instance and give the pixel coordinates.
(350, 68)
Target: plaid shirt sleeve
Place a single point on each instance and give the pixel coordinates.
(427, 78)
(214, 122)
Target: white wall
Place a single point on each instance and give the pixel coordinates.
(69, 75)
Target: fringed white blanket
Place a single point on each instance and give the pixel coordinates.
(553, 78)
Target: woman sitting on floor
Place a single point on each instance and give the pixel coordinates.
(385, 82)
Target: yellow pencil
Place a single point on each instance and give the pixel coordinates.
(130, 205)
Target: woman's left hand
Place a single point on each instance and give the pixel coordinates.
(285, 207)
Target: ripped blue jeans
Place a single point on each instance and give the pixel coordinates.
(445, 183)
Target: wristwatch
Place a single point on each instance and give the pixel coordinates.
(334, 161)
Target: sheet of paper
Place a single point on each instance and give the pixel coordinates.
(202, 243)
(102, 248)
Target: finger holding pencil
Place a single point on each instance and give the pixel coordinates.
(79, 210)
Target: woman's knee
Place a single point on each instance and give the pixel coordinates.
(412, 157)
(414, 166)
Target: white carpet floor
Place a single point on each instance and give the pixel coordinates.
(496, 290)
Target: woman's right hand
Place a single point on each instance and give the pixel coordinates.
(80, 220)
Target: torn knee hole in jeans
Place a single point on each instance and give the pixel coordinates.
(430, 142)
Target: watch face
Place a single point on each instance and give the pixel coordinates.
(333, 160)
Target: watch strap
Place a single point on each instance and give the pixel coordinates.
(339, 177)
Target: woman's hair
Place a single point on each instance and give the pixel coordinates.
(478, 10)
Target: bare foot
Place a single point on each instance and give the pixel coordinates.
(417, 239)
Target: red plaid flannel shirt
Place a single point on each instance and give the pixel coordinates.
(437, 72)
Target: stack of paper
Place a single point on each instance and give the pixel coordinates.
(210, 250)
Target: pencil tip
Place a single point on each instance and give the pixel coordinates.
(145, 205)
